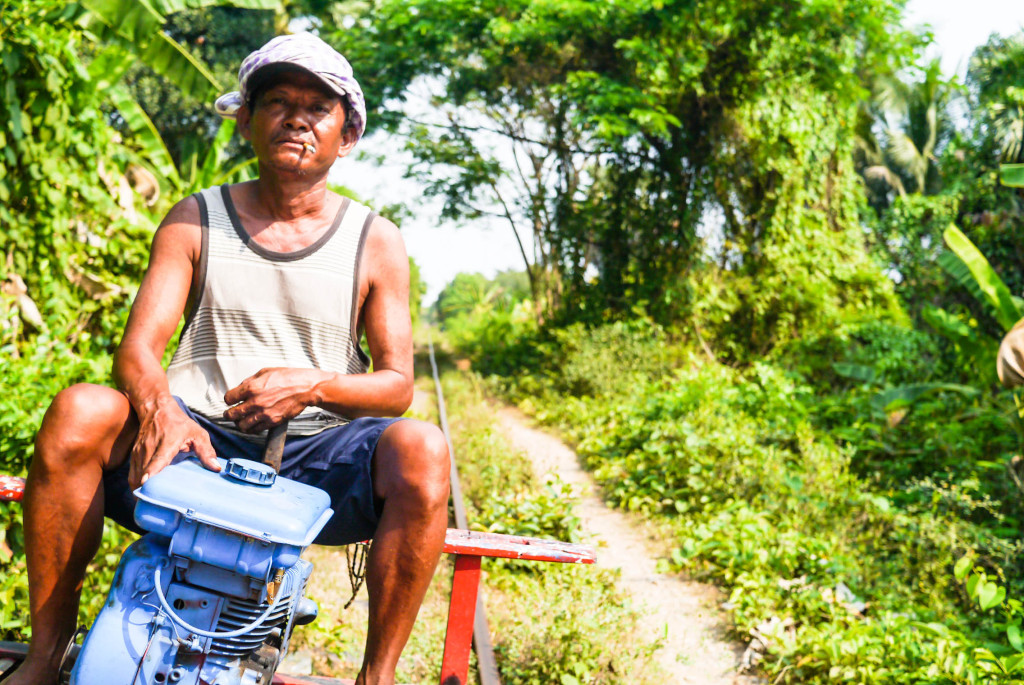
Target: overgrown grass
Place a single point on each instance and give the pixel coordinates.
(552, 623)
(833, 525)
(25, 393)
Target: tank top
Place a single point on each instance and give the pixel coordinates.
(255, 308)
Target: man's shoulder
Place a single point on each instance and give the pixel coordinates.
(185, 212)
(383, 239)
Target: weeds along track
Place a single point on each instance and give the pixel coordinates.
(680, 614)
(550, 623)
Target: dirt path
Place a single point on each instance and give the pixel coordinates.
(680, 612)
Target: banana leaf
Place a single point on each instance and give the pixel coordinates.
(134, 20)
(1012, 175)
(172, 6)
(905, 395)
(145, 136)
(975, 273)
(171, 60)
(138, 27)
(857, 372)
(211, 173)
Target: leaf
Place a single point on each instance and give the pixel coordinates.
(962, 567)
(1014, 636)
(145, 136)
(172, 6)
(171, 60)
(992, 288)
(109, 65)
(857, 372)
(905, 395)
(134, 20)
(214, 156)
(1012, 175)
(972, 584)
(949, 325)
(990, 594)
(138, 27)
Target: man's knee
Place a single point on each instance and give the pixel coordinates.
(413, 460)
(83, 421)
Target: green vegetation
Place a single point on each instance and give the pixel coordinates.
(586, 634)
(75, 234)
(767, 260)
(831, 511)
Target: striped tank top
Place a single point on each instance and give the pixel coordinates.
(256, 308)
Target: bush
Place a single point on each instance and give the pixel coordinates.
(832, 526)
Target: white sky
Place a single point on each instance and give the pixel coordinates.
(443, 250)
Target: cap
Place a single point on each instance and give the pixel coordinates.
(308, 52)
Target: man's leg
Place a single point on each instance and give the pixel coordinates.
(86, 430)
(410, 473)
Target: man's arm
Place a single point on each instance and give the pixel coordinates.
(274, 395)
(164, 430)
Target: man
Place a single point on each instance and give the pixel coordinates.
(277, 277)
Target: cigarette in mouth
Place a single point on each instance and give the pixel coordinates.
(309, 148)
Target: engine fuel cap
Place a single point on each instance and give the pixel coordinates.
(252, 472)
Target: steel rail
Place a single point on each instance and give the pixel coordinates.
(487, 667)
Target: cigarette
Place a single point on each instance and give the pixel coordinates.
(309, 148)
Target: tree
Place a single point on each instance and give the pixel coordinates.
(604, 134)
(221, 37)
(995, 82)
(901, 132)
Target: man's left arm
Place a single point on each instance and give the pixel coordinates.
(276, 394)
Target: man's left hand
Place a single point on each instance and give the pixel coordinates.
(269, 397)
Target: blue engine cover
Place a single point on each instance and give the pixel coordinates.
(218, 540)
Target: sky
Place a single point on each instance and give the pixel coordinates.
(442, 249)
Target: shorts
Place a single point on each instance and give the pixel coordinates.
(336, 460)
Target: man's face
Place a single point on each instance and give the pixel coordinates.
(293, 112)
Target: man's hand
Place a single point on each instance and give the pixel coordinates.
(270, 396)
(165, 431)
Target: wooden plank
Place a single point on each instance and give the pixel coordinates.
(516, 547)
(12, 488)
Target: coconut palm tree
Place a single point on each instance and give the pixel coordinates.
(995, 82)
(900, 132)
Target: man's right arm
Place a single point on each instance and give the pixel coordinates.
(164, 430)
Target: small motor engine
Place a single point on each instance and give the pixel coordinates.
(211, 594)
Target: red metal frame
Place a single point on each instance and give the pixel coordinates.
(12, 488)
(469, 547)
(458, 639)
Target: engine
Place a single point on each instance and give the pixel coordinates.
(210, 595)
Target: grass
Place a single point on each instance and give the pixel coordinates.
(550, 623)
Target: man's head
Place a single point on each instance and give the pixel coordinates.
(278, 60)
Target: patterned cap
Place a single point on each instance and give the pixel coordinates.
(310, 53)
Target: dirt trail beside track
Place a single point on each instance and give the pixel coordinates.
(681, 613)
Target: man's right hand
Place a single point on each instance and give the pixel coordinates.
(164, 431)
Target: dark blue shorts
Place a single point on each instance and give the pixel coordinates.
(336, 460)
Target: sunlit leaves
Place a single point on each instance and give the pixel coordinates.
(973, 271)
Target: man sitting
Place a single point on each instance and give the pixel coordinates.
(279, 277)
